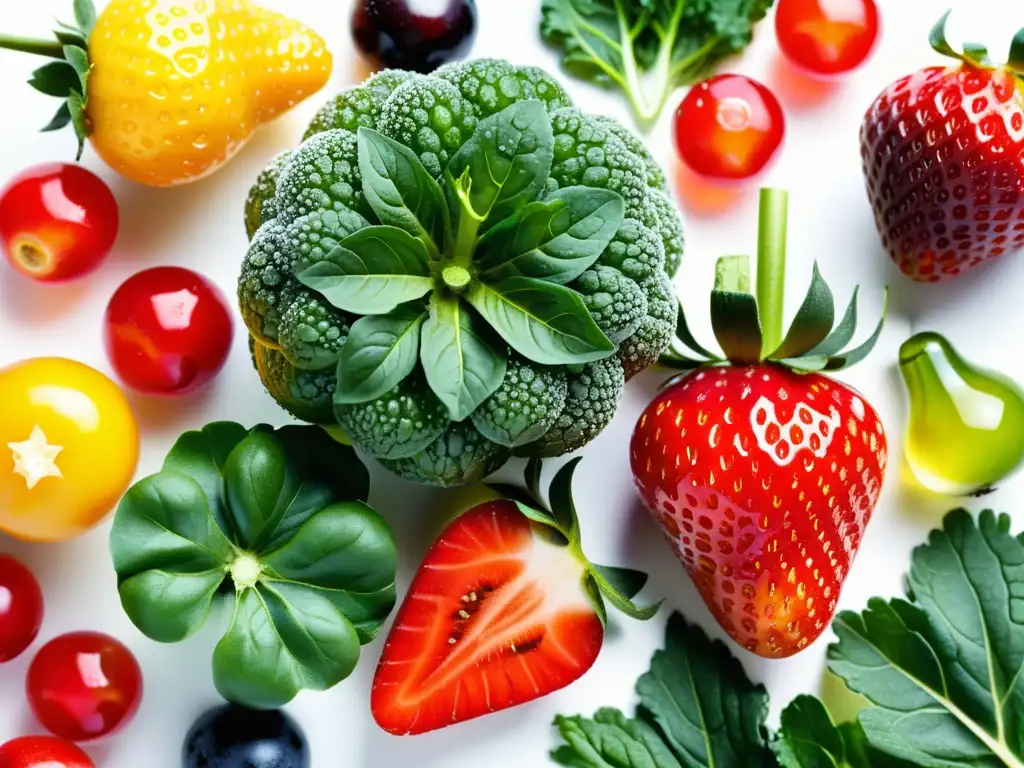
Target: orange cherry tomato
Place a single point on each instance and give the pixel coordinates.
(69, 446)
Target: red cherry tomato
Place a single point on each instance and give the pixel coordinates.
(729, 127)
(42, 752)
(21, 608)
(83, 686)
(168, 331)
(57, 222)
(826, 37)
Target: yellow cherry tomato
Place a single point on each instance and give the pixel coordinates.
(174, 88)
(69, 446)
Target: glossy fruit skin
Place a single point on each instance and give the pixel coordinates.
(58, 222)
(823, 37)
(729, 127)
(167, 331)
(392, 35)
(231, 736)
(943, 161)
(84, 686)
(965, 426)
(528, 629)
(83, 412)
(763, 481)
(21, 608)
(42, 752)
(177, 88)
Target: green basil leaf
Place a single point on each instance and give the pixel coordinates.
(543, 322)
(201, 455)
(57, 78)
(556, 240)
(945, 672)
(283, 638)
(509, 160)
(401, 191)
(347, 554)
(463, 362)
(807, 736)
(381, 351)
(85, 16)
(611, 740)
(276, 481)
(169, 555)
(372, 272)
(702, 702)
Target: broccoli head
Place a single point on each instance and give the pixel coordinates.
(476, 276)
(259, 205)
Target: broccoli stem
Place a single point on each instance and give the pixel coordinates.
(771, 266)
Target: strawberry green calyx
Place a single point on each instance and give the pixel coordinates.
(66, 78)
(616, 585)
(976, 54)
(749, 328)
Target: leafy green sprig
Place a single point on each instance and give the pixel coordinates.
(749, 327)
(942, 670)
(460, 271)
(647, 48)
(68, 77)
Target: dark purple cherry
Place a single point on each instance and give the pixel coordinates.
(416, 35)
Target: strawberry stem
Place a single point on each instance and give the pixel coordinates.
(52, 48)
(771, 266)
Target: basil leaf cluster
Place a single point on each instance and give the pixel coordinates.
(277, 519)
(459, 267)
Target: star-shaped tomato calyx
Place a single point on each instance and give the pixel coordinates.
(35, 458)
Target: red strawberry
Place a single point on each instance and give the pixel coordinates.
(943, 158)
(762, 473)
(504, 609)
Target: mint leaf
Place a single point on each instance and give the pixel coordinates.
(546, 323)
(555, 240)
(372, 271)
(401, 191)
(611, 740)
(380, 352)
(945, 672)
(463, 361)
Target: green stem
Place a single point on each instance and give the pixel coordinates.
(732, 274)
(1016, 59)
(771, 266)
(51, 48)
(465, 238)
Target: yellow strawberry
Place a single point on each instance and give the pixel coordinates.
(166, 91)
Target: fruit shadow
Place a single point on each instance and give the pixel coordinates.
(798, 90)
(157, 413)
(23, 300)
(705, 197)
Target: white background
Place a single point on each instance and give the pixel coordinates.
(200, 226)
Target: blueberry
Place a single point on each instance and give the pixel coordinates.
(416, 35)
(231, 736)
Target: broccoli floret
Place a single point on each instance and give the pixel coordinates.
(322, 175)
(636, 251)
(594, 395)
(588, 154)
(491, 85)
(313, 236)
(266, 287)
(259, 205)
(306, 395)
(655, 175)
(616, 303)
(525, 406)
(398, 424)
(431, 117)
(459, 457)
(657, 330)
(670, 227)
(311, 333)
(358, 106)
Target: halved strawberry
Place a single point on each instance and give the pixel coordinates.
(504, 609)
